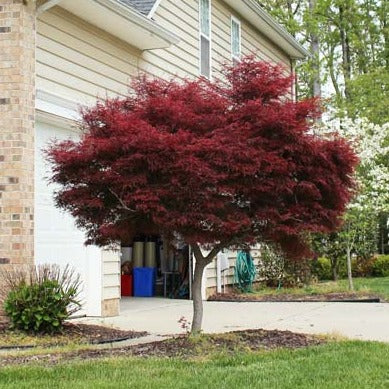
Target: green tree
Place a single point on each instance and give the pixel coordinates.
(370, 96)
(349, 42)
(359, 234)
(357, 237)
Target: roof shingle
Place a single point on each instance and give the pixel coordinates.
(142, 6)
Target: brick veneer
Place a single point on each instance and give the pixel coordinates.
(17, 111)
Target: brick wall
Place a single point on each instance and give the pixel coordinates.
(17, 110)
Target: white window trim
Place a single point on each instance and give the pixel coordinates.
(206, 37)
(237, 21)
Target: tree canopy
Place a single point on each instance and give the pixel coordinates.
(219, 163)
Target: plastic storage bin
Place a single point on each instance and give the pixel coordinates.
(126, 285)
(144, 281)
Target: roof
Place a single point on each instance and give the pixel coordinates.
(142, 6)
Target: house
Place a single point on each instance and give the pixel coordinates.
(59, 54)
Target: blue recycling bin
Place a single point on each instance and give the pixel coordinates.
(144, 281)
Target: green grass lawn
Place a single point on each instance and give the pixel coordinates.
(378, 286)
(334, 365)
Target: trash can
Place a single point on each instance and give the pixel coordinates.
(144, 281)
(126, 285)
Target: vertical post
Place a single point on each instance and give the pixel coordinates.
(218, 274)
(190, 269)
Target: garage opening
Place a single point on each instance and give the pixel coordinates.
(153, 265)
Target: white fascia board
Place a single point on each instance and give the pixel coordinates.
(123, 22)
(263, 22)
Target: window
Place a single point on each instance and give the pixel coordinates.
(235, 39)
(205, 38)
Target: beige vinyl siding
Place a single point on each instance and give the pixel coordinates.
(111, 275)
(181, 60)
(80, 62)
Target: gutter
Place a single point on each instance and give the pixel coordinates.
(277, 27)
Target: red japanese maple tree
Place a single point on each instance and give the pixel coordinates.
(220, 163)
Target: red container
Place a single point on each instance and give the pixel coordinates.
(126, 285)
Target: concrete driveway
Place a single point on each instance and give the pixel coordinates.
(368, 321)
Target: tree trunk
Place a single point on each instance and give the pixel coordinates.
(315, 49)
(346, 55)
(349, 270)
(197, 295)
(334, 271)
(331, 67)
(201, 263)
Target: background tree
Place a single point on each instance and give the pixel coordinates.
(222, 165)
(359, 234)
(348, 40)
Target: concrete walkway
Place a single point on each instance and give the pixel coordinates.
(368, 321)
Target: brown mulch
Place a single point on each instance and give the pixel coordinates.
(78, 333)
(232, 342)
(183, 346)
(339, 297)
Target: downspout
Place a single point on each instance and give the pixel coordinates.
(294, 74)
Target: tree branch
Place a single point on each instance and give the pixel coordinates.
(198, 254)
(123, 205)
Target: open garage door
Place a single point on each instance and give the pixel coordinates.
(57, 240)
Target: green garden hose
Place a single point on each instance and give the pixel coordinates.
(245, 271)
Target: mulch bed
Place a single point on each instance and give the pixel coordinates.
(232, 342)
(183, 347)
(332, 297)
(72, 333)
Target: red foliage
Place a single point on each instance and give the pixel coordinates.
(233, 163)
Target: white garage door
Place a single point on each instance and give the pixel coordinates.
(57, 240)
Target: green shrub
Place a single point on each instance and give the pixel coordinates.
(41, 298)
(321, 268)
(381, 266)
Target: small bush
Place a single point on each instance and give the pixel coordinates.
(41, 298)
(381, 266)
(276, 271)
(321, 268)
(271, 266)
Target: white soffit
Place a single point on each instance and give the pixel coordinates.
(123, 22)
(264, 23)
